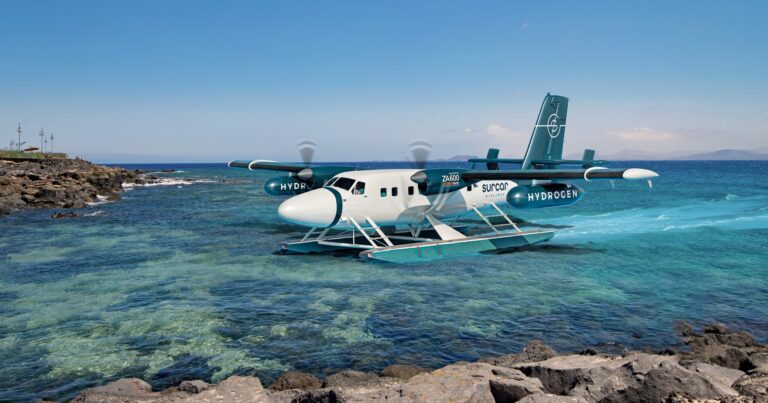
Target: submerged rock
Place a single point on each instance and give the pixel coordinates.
(350, 378)
(121, 390)
(296, 380)
(68, 214)
(401, 371)
(193, 387)
(534, 351)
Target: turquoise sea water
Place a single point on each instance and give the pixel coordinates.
(182, 281)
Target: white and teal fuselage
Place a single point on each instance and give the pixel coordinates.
(389, 198)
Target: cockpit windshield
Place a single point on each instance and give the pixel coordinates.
(344, 183)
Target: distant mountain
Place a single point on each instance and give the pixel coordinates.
(637, 155)
(727, 155)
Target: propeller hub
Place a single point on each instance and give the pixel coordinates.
(419, 177)
(305, 174)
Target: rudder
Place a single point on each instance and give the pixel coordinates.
(548, 135)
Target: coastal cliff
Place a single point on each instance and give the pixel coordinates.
(64, 183)
(719, 366)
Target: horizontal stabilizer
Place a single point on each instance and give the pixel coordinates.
(570, 162)
(497, 160)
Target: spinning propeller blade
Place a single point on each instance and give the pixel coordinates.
(307, 151)
(420, 153)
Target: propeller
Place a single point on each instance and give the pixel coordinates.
(420, 153)
(307, 151)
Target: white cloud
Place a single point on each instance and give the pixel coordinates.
(495, 129)
(644, 134)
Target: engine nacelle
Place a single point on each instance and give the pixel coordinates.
(286, 186)
(435, 181)
(548, 195)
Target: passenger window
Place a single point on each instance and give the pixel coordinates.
(359, 188)
(344, 183)
(383, 192)
(394, 191)
(410, 190)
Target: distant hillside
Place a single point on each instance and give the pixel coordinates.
(637, 155)
(727, 155)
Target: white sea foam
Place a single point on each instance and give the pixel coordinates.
(99, 200)
(166, 182)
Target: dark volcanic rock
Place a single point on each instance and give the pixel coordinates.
(401, 371)
(59, 183)
(350, 378)
(193, 387)
(68, 214)
(574, 378)
(717, 345)
(296, 380)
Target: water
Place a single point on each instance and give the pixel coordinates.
(182, 281)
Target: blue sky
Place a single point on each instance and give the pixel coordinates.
(213, 81)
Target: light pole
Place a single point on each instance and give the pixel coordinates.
(51, 141)
(18, 130)
(42, 136)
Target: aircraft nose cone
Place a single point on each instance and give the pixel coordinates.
(316, 208)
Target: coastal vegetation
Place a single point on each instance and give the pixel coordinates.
(24, 155)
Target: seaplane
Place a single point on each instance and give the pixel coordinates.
(419, 214)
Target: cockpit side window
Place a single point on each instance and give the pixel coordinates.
(344, 183)
(359, 188)
(331, 181)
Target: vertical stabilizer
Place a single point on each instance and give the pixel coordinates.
(548, 134)
(493, 153)
(588, 158)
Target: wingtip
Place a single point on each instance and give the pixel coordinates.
(639, 173)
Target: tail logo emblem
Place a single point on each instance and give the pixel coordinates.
(553, 126)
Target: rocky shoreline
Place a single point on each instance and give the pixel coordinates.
(718, 366)
(61, 183)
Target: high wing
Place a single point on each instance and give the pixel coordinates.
(265, 164)
(546, 174)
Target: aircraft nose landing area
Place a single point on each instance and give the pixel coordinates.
(318, 208)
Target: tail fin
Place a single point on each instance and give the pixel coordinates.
(588, 158)
(548, 134)
(493, 154)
